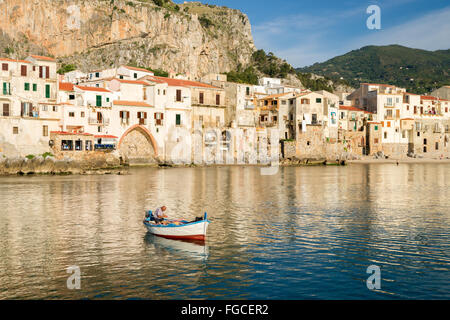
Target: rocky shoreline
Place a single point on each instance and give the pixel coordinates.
(51, 166)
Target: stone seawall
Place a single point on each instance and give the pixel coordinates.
(50, 165)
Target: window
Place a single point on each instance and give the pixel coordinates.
(178, 98)
(425, 141)
(23, 71)
(66, 145)
(283, 101)
(45, 131)
(178, 119)
(47, 91)
(159, 118)
(4, 67)
(5, 110)
(71, 97)
(15, 130)
(314, 118)
(135, 75)
(107, 99)
(201, 98)
(97, 74)
(55, 109)
(403, 134)
(82, 114)
(389, 102)
(6, 88)
(218, 99)
(72, 114)
(121, 77)
(44, 107)
(164, 92)
(27, 86)
(247, 91)
(304, 101)
(385, 135)
(318, 100)
(98, 101)
(142, 117)
(437, 146)
(388, 124)
(159, 92)
(34, 87)
(425, 149)
(375, 141)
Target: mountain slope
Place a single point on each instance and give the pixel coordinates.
(417, 70)
(187, 38)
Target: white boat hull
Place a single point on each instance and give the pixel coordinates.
(190, 231)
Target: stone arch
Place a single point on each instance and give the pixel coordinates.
(137, 145)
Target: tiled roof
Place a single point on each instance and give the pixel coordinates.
(70, 133)
(138, 69)
(42, 58)
(14, 60)
(278, 95)
(66, 86)
(106, 137)
(180, 83)
(350, 108)
(131, 103)
(378, 84)
(131, 81)
(92, 89)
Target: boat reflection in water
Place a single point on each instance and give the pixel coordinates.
(195, 249)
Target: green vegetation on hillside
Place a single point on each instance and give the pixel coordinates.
(271, 66)
(66, 68)
(419, 71)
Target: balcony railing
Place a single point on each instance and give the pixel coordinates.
(99, 122)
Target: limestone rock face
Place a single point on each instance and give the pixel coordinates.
(193, 39)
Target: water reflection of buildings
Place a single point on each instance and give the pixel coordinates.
(50, 223)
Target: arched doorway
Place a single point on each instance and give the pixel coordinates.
(138, 146)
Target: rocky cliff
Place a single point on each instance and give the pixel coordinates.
(188, 38)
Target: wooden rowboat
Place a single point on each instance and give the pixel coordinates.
(182, 230)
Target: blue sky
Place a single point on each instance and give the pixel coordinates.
(306, 32)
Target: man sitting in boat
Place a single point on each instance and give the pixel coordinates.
(159, 215)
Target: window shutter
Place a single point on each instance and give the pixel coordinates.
(47, 72)
(40, 71)
(121, 114)
(23, 71)
(154, 115)
(162, 116)
(145, 115)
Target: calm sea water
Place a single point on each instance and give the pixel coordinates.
(305, 233)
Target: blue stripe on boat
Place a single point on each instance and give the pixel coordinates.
(173, 225)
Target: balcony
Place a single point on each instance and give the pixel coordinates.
(99, 122)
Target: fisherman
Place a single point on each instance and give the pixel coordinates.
(159, 215)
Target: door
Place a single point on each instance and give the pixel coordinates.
(47, 91)
(99, 117)
(6, 110)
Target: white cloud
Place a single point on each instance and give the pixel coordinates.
(429, 32)
(304, 39)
